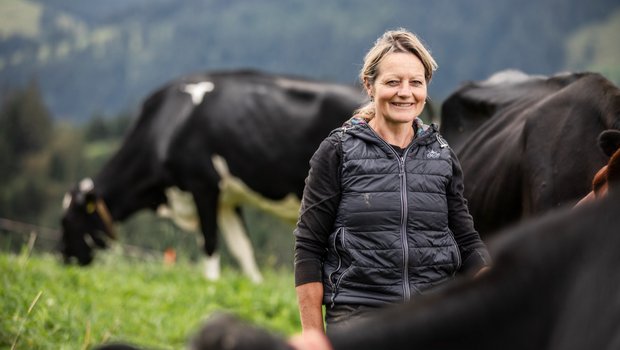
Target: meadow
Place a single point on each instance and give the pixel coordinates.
(47, 305)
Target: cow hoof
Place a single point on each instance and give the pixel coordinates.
(212, 267)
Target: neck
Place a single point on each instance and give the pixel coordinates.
(397, 134)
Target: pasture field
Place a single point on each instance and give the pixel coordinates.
(45, 305)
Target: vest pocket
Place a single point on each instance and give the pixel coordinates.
(457, 253)
(337, 284)
(337, 245)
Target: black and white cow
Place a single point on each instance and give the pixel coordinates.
(528, 144)
(211, 141)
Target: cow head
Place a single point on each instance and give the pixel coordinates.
(85, 224)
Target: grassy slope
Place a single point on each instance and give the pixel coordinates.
(143, 303)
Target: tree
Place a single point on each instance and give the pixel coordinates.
(595, 48)
(25, 127)
(25, 122)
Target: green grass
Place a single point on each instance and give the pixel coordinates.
(45, 305)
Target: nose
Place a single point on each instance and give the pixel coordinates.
(405, 90)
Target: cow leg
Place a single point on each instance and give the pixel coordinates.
(238, 242)
(206, 205)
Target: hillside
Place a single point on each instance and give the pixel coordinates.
(104, 57)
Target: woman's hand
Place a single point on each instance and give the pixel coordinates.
(310, 340)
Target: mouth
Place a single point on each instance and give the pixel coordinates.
(97, 239)
(403, 104)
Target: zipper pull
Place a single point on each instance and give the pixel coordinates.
(442, 142)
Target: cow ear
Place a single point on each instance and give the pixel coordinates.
(609, 141)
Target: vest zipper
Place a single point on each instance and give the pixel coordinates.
(402, 174)
(403, 224)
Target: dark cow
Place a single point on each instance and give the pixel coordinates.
(527, 144)
(215, 140)
(554, 285)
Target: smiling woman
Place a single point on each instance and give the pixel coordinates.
(383, 217)
(399, 93)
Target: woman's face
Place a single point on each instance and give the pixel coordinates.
(400, 89)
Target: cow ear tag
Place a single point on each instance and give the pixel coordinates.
(90, 207)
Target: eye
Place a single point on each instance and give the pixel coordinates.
(416, 83)
(392, 83)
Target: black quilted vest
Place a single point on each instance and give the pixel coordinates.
(391, 239)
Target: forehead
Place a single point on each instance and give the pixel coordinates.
(401, 64)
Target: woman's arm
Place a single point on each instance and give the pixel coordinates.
(316, 220)
(473, 250)
(310, 300)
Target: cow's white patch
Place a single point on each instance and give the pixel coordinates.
(197, 91)
(66, 201)
(180, 209)
(235, 192)
(86, 185)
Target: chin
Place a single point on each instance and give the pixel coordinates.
(401, 119)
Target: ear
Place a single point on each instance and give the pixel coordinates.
(368, 87)
(609, 141)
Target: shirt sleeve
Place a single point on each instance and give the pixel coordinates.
(319, 205)
(474, 252)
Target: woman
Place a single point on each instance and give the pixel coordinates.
(383, 217)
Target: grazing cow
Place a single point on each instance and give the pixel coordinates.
(213, 141)
(527, 144)
(554, 285)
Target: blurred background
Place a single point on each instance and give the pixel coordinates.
(73, 75)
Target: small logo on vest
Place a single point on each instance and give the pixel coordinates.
(432, 154)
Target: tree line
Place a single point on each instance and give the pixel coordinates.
(104, 57)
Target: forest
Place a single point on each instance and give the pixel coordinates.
(105, 57)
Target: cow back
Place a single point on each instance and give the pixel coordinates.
(536, 146)
(267, 127)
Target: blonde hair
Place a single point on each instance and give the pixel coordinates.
(399, 40)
